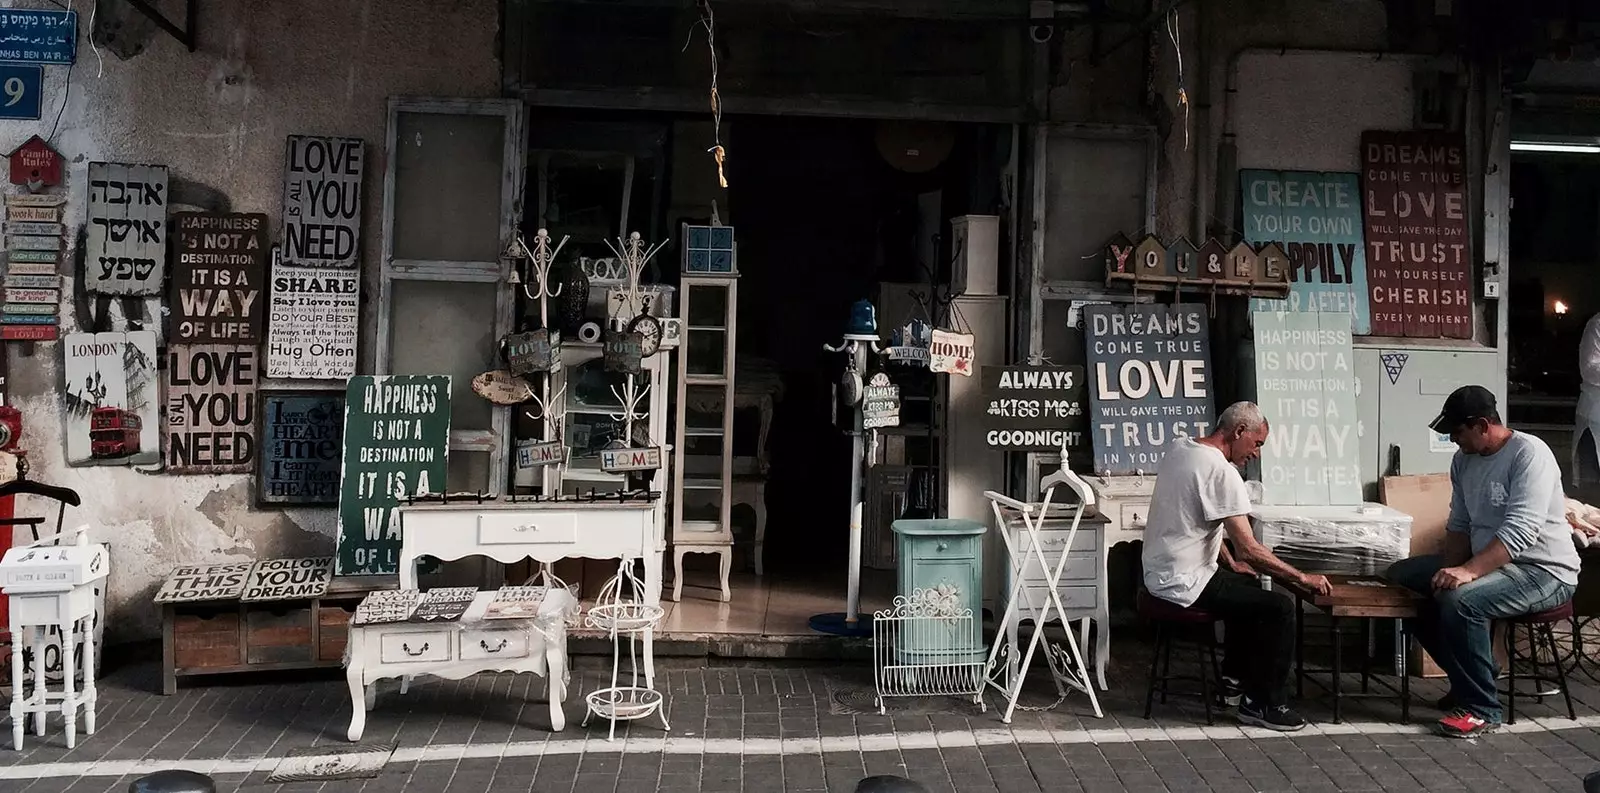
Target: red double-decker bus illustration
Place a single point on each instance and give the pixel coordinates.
(113, 432)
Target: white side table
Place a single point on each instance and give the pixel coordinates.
(34, 614)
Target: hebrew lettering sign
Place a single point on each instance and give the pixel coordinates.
(127, 229)
(1149, 370)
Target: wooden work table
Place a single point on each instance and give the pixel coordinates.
(1363, 598)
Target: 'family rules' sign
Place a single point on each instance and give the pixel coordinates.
(1306, 387)
(396, 440)
(1149, 369)
(322, 201)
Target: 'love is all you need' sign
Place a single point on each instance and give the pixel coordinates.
(1149, 372)
(1306, 387)
(396, 441)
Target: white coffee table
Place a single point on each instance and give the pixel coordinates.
(459, 649)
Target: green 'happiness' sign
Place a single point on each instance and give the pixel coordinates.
(396, 440)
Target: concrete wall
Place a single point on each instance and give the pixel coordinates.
(218, 118)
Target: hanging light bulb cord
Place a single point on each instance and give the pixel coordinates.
(708, 20)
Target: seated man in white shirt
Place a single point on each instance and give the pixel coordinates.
(1199, 498)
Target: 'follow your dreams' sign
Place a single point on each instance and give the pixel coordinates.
(1149, 382)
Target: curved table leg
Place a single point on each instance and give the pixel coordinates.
(650, 658)
(1102, 650)
(556, 677)
(358, 703)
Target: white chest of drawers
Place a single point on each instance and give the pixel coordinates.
(1082, 586)
(459, 649)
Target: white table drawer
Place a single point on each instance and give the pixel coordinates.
(1073, 598)
(528, 528)
(414, 647)
(477, 645)
(1053, 541)
(1082, 567)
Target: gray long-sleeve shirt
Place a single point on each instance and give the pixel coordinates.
(1515, 495)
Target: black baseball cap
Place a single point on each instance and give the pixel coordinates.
(1467, 403)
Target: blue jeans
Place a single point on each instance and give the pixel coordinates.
(1456, 629)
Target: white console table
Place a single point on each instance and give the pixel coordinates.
(545, 531)
(459, 649)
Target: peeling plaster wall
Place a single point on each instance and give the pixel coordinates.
(218, 118)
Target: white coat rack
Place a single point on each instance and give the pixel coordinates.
(856, 348)
(634, 256)
(539, 260)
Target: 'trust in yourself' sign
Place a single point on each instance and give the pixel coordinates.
(1419, 256)
(1149, 382)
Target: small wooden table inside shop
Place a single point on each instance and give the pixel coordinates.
(1362, 598)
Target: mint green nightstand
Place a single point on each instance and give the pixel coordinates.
(944, 559)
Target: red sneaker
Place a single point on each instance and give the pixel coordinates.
(1465, 724)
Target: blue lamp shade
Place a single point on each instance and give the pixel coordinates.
(708, 250)
(863, 319)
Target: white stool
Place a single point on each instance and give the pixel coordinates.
(33, 614)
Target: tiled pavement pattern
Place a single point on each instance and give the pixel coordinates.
(780, 728)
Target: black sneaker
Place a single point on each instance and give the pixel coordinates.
(1230, 693)
(1278, 717)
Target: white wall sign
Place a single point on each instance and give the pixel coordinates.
(322, 201)
(312, 323)
(127, 234)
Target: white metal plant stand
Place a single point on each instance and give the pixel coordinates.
(619, 616)
(922, 647)
(1067, 669)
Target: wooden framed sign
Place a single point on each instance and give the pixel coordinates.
(301, 443)
(211, 408)
(624, 352)
(1034, 408)
(322, 201)
(533, 352)
(1418, 239)
(1315, 221)
(127, 229)
(288, 579)
(205, 583)
(1149, 371)
(113, 399)
(396, 443)
(314, 322)
(217, 278)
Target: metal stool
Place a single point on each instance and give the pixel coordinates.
(1540, 627)
(1171, 622)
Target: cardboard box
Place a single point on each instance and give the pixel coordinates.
(1426, 498)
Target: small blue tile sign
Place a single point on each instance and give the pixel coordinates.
(21, 92)
(31, 35)
(709, 250)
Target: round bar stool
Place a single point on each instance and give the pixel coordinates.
(1192, 626)
(1540, 629)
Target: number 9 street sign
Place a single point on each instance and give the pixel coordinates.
(21, 92)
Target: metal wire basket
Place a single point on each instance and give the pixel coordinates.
(624, 703)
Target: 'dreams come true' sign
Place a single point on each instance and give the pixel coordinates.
(1149, 382)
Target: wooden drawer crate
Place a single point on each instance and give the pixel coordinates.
(232, 637)
(206, 639)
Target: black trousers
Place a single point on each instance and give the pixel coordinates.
(1259, 627)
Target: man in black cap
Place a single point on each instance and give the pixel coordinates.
(1508, 552)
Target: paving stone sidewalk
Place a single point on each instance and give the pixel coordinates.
(751, 727)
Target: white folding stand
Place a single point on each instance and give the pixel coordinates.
(1007, 674)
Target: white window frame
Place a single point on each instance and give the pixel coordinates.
(494, 441)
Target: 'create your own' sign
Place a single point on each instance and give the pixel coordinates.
(396, 439)
(1149, 382)
(1306, 387)
(1316, 219)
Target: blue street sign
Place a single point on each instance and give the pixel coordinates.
(36, 36)
(21, 92)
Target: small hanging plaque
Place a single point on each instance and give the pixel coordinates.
(537, 454)
(908, 344)
(615, 461)
(502, 387)
(880, 405)
(951, 353)
(533, 352)
(624, 352)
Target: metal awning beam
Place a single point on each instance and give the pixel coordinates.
(185, 36)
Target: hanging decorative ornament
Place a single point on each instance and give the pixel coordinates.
(650, 334)
(951, 353)
(880, 404)
(532, 352)
(501, 387)
(908, 344)
(623, 352)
